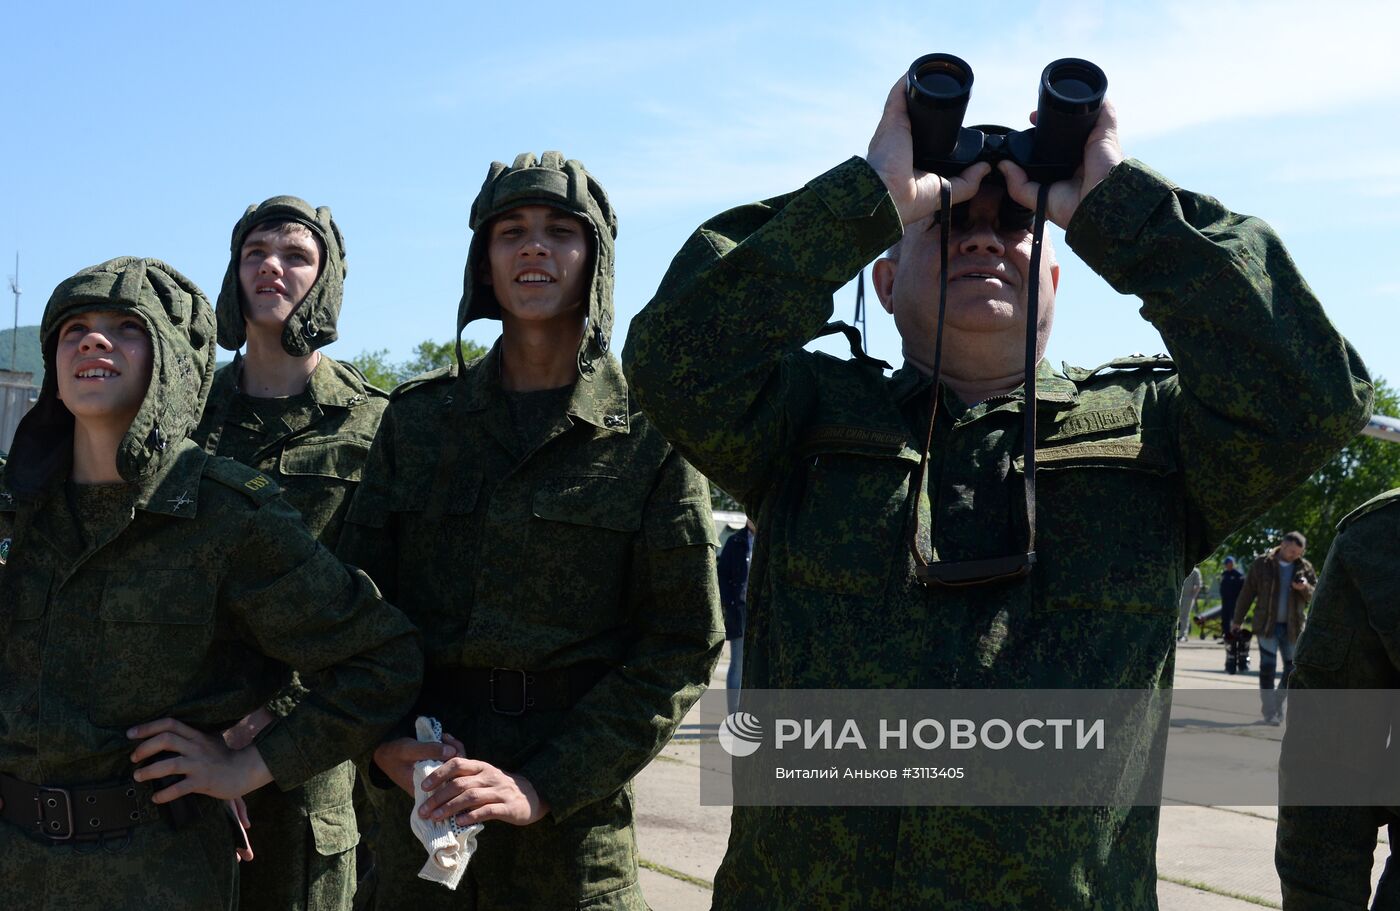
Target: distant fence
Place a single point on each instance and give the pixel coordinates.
(16, 396)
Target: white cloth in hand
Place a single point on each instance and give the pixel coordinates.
(450, 846)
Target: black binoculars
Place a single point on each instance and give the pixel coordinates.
(938, 88)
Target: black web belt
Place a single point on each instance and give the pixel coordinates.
(76, 814)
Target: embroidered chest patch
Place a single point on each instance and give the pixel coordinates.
(1081, 423)
(4, 551)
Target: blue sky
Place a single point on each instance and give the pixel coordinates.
(147, 128)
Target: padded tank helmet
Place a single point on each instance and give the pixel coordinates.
(180, 322)
(563, 184)
(312, 323)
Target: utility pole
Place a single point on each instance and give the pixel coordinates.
(14, 335)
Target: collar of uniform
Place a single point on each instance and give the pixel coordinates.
(332, 383)
(173, 488)
(600, 398)
(907, 381)
(1050, 387)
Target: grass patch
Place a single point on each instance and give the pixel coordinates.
(1193, 884)
(664, 870)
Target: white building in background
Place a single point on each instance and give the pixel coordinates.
(17, 396)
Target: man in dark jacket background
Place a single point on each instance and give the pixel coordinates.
(733, 567)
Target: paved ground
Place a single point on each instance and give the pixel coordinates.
(1209, 858)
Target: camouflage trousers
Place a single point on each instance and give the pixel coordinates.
(304, 846)
(157, 868)
(589, 861)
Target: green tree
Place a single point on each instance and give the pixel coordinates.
(376, 368)
(429, 355)
(1365, 467)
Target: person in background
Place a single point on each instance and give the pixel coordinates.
(1281, 582)
(1231, 581)
(733, 565)
(1189, 590)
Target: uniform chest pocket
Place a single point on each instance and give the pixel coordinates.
(327, 457)
(594, 501)
(848, 524)
(578, 551)
(155, 629)
(1109, 534)
(23, 598)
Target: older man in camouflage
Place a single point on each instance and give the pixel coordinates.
(306, 420)
(1145, 465)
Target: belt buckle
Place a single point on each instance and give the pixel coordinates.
(524, 703)
(45, 797)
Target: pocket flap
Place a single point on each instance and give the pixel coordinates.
(328, 457)
(1324, 646)
(594, 500)
(173, 596)
(333, 829)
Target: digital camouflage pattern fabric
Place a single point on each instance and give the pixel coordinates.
(1144, 465)
(314, 445)
(185, 591)
(1352, 641)
(312, 324)
(565, 535)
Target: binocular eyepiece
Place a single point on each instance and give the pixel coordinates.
(938, 88)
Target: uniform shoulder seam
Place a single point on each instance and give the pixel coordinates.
(422, 380)
(1390, 498)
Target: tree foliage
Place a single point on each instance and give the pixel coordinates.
(429, 355)
(1365, 467)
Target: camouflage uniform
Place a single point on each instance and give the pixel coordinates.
(314, 445)
(1144, 466)
(183, 592)
(1352, 641)
(573, 539)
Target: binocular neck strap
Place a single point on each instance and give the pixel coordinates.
(1032, 328)
(1032, 337)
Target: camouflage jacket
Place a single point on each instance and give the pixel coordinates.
(595, 546)
(1352, 641)
(187, 606)
(1145, 464)
(313, 445)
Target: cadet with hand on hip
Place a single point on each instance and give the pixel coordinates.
(141, 577)
(306, 421)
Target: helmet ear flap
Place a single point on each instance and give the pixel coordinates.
(600, 198)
